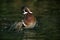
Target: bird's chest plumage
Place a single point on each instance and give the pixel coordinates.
(29, 18)
(29, 21)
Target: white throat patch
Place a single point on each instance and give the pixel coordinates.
(25, 12)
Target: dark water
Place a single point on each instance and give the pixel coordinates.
(42, 31)
(29, 35)
(46, 12)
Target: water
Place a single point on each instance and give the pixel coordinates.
(42, 31)
(46, 12)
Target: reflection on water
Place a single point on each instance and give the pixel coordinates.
(28, 35)
(23, 35)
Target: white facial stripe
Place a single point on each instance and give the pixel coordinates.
(29, 10)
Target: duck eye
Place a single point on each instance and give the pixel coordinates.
(26, 11)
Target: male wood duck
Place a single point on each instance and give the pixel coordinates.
(29, 20)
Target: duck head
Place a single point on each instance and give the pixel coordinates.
(26, 10)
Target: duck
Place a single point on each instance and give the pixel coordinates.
(29, 20)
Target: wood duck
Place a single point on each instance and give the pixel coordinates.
(29, 20)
